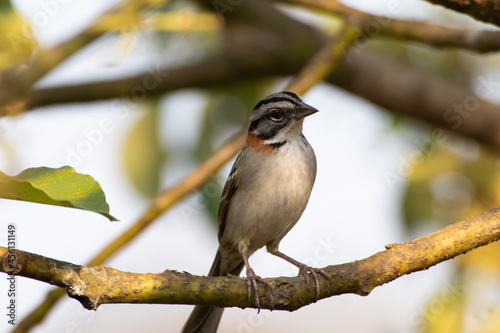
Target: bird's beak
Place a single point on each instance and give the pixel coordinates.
(304, 110)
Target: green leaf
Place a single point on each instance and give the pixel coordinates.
(59, 187)
(142, 155)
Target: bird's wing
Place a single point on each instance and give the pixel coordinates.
(226, 198)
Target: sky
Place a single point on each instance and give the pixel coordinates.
(352, 213)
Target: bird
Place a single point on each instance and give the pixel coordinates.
(264, 196)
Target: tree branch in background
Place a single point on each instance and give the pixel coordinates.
(207, 73)
(409, 91)
(328, 57)
(43, 61)
(481, 41)
(487, 11)
(160, 204)
(380, 78)
(93, 286)
(419, 94)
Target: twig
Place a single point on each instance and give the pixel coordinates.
(481, 41)
(160, 204)
(13, 92)
(92, 287)
(328, 57)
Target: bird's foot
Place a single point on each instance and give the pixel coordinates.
(304, 270)
(252, 280)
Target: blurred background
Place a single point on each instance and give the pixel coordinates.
(120, 92)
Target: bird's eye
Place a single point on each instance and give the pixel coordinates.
(276, 115)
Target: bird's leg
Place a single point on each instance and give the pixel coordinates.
(252, 280)
(304, 270)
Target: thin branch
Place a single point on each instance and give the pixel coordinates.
(94, 286)
(487, 11)
(14, 90)
(160, 204)
(376, 77)
(481, 41)
(364, 72)
(327, 58)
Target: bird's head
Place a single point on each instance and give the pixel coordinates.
(278, 118)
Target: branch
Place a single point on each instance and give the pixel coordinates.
(483, 10)
(481, 41)
(13, 90)
(160, 204)
(327, 58)
(261, 50)
(409, 91)
(94, 286)
(362, 71)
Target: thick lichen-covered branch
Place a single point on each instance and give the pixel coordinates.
(94, 286)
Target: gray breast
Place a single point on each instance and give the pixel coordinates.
(273, 193)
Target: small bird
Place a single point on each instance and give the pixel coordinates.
(263, 198)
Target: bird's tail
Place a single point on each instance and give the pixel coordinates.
(204, 318)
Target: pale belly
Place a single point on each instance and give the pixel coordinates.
(269, 201)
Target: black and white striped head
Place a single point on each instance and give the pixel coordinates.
(279, 117)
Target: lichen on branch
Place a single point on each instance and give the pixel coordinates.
(97, 285)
